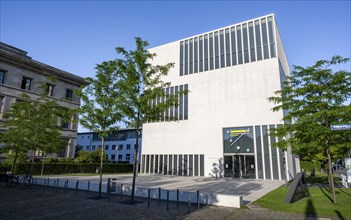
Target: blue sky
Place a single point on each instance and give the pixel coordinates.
(76, 35)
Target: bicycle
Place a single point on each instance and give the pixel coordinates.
(13, 180)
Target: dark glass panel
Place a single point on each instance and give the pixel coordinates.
(196, 55)
(170, 162)
(185, 165)
(186, 58)
(206, 51)
(201, 48)
(267, 165)
(252, 42)
(239, 42)
(196, 165)
(191, 64)
(181, 100)
(221, 38)
(233, 46)
(258, 40)
(246, 46)
(176, 106)
(211, 51)
(186, 103)
(274, 156)
(181, 66)
(264, 38)
(259, 152)
(271, 37)
(191, 172)
(202, 165)
(216, 42)
(227, 47)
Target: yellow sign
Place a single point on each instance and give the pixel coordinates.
(239, 132)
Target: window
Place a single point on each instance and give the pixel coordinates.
(186, 58)
(113, 147)
(106, 147)
(201, 54)
(26, 83)
(240, 49)
(222, 48)
(88, 136)
(264, 38)
(87, 147)
(246, 47)
(233, 47)
(271, 36)
(128, 146)
(82, 137)
(190, 56)
(65, 125)
(252, 42)
(195, 56)
(113, 157)
(120, 147)
(127, 157)
(216, 50)
(99, 146)
(50, 89)
(206, 51)
(181, 59)
(176, 107)
(69, 94)
(93, 147)
(211, 51)
(186, 103)
(2, 76)
(227, 46)
(181, 104)
(120, 157)
(258, 40)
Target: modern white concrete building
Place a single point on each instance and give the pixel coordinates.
(119, 146)
(19, 74)
(224, 121)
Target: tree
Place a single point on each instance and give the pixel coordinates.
(141, 85)
(315, 98)
(99, 111)
(33, 125)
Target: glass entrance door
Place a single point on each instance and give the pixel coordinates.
(239, 166)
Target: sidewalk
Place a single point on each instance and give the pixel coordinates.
(39, 202)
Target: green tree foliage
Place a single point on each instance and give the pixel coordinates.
(33, 125)
(314, 98)
(99, 111)
(91, 156)
(140, 85)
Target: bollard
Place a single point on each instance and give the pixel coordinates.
(121, 190)
(88, 186)
(198, 199)
(75, 193)
(48, 182)
(44, 182)
(148, 198)
(57, 183)
(189, 204)
(108, 189)
(66, 185)
(206, 199)
(167, 200)
(159, 195)
(177, 197)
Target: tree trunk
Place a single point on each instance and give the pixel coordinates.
(330, 176)
(32, 165)
(101, 163)
(42, 165)
(14, 162)
(135, 166)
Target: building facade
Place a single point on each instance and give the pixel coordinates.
(19, 74)
(119, 146)
(224, 121)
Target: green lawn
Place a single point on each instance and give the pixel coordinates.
(319, 203)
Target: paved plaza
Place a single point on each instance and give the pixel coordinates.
(250, 189)
(39, 202)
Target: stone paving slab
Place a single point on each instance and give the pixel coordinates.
(38, 202)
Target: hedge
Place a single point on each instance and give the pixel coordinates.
(66, 168)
